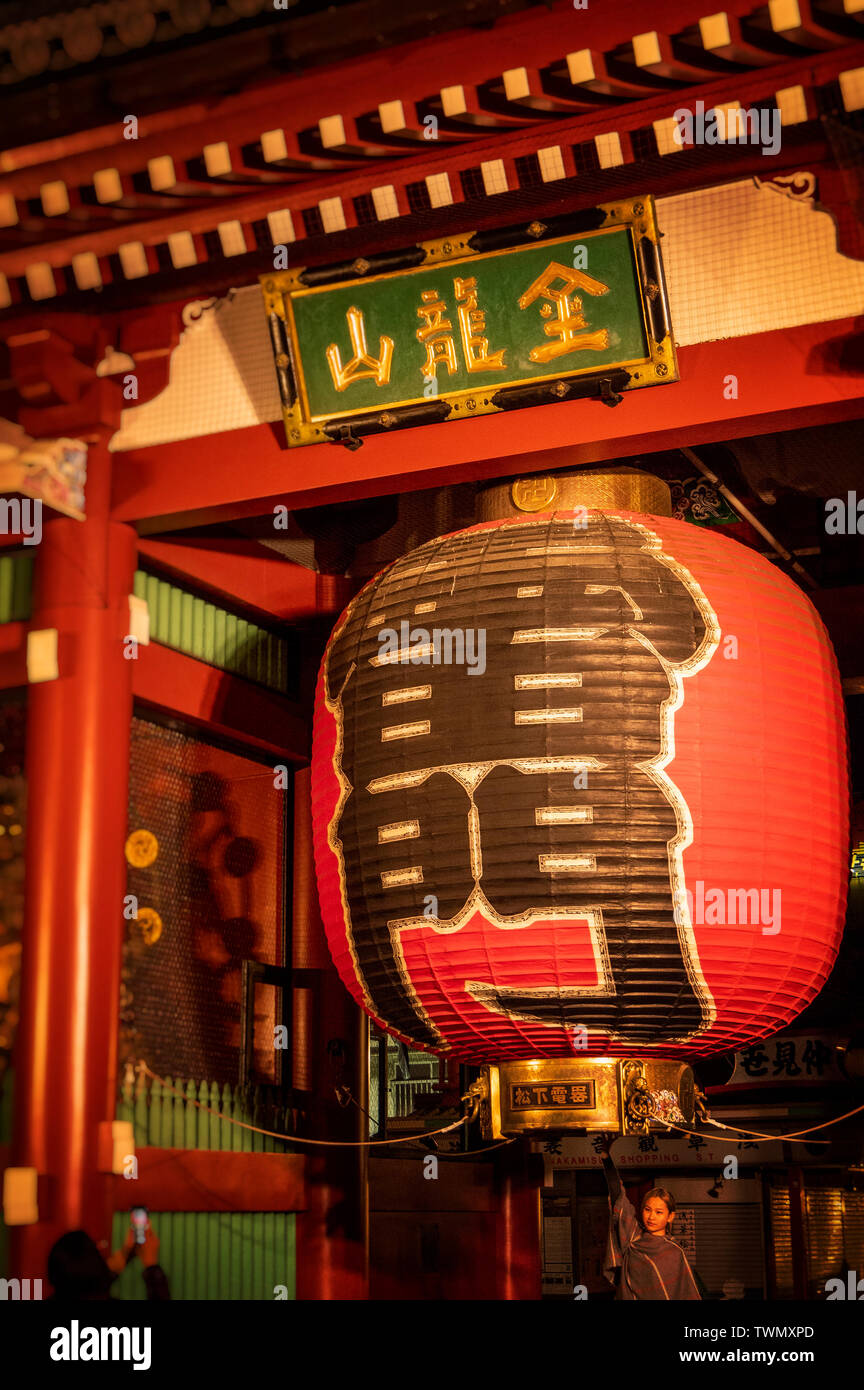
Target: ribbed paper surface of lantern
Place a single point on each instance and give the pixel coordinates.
(614, 819)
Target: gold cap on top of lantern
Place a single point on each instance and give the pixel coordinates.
(608, 489)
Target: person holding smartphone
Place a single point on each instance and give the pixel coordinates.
(142, 1240)
(79, 1272)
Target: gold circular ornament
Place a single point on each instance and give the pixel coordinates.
(150, 923)
(142, 848)
(534, 494)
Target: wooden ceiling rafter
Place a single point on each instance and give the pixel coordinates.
(209, 210)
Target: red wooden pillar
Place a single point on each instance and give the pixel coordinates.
(77, 783)
(519, 1178)
(330, 1049)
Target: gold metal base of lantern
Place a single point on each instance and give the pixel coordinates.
(607, 489)
(629, 1095)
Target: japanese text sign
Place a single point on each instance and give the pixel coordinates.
(561, 1095)
(463, 334)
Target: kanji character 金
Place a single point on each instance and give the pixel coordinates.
(567, 306)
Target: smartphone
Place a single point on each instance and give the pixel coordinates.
(140, 1222)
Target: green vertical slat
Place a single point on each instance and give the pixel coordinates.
(177, 1132)
(142, 1136)
(139, 584)
(274, 1250)
(245, 1217)
(203, 1119)
(5, 588)
(269, 1263)
(166, 617)
(241, 646)
(198, 609)
(215, 1122)
(151, 593)
(254, 639)
(246, 649)
(250, 664)
(257, 1119)
(209, 636)
(22, 587)
(220, 638)
(241, 655)
(224, 1225)
(237, 1248)
(6, 1106)
(257, 1219)
(187, 607)
(278, 665)
(154, 606)
(190, 1121)
(275, 1241)
(200, 1253)
(178, 1254)
(175, 616)
(226, 1107)
(122, 1287)
(213, 1282)
(229, 654)
(160, 1102)
(291, 1244)
(179, 1218)
(163, 1224)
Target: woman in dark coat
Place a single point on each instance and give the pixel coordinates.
(652, 1264)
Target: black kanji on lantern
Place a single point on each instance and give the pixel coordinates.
(527, 783)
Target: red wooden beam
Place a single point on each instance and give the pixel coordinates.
(213, 1180)
(537, 37)
(244, 570)
(240, 203)
(786, 380)
(224, 704)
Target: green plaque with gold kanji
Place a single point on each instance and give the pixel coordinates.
(456, 332)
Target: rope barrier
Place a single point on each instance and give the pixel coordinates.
(796, 1137)
(293, 1138)
(793, 1138)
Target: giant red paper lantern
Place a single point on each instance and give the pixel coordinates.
(630, 826)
